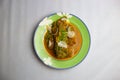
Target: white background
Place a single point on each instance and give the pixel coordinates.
(19, 19)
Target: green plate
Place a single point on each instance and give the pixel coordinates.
(41, 51)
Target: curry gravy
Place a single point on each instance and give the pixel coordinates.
(76, 47)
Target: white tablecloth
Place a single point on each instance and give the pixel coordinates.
(19, 18)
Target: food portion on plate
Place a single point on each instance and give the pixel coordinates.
(62, 39)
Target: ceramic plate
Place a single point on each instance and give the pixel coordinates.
(43, 54)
